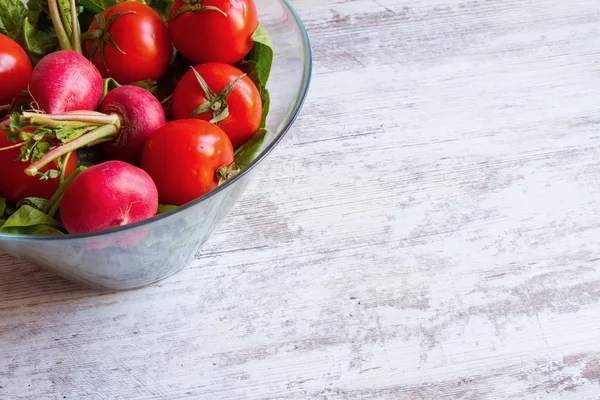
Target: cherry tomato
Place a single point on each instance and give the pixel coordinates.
(144, 47)
(182, 158)
(15, 70)
(244, 102)
(213, 30)
(15, 185)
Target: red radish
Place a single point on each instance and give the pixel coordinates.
(141, 114)
(106, 196)
(132, 115)
(64, 81)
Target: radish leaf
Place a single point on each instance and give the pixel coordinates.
(29, 220)
(257, 64)
(162, 208)
(12, 15)
(34, 202)
(248, 152)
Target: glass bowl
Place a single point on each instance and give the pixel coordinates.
(140, 254)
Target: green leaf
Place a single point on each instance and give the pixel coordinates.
(29, 220)
(266, 105)
(12, 15)
(257, 64)
(97, 6)
(160, 6)
(34, 202)
(50, 174)
(39, 149)
(38, 12)
(109, 84)
(166, 84)
(67, 133)
(38, 43)
(262, 53)
(175, 71)
(90, 156)
(248, 152)
(86, 17)
(19, 106)
(162, 208)
(38, 37)
(148, 84)
(2, 206)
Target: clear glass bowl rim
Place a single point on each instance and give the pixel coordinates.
(304, 90)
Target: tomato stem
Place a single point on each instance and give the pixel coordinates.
(90, 137)
(225, 172)
(195, 6)
(101, 35)
(217, 103)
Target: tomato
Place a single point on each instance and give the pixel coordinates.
(243, 103)
(15, 70)
(15, 185)
(182, 158)
(141, 35)
(202, 33)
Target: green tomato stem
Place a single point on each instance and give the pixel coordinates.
(90, 137)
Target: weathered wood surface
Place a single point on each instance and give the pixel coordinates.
(430, 229)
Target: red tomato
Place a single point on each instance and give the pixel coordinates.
(182, 158)
(244, 102)
(201, 33)
(15, 70)
(140, 34)
(15, 185)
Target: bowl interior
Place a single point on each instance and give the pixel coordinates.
(288, 86)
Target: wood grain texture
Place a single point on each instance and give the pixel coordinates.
(429, 229)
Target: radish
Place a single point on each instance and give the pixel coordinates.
(108, 195)
(141, 114)
(131, 115)
(65, 81)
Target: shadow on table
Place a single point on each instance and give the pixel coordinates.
(20, 280)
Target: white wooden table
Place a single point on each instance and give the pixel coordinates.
(429, 229)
